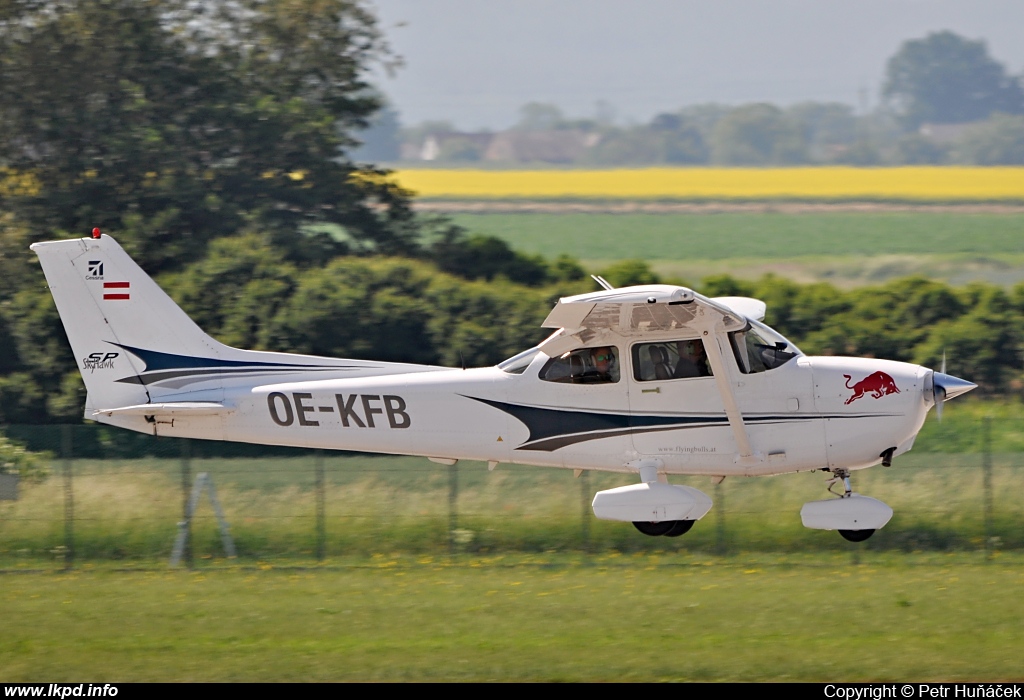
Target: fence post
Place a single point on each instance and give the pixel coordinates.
(69, 497)
(186, 486)
(453, 498)
(720, 536)
(585, 510)
(321, 528)
(986, 471)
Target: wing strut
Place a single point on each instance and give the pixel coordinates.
(725, 388)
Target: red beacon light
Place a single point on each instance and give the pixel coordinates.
(96, 233)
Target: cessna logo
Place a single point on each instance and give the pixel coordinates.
(99, 360)
(354, 410)
(95, 270)
(878, 385)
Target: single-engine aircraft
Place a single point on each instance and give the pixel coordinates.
(653, 380)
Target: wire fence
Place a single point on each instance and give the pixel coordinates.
(111, 495)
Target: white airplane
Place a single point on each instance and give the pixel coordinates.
(653, 380)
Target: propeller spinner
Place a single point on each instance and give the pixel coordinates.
(946, 386)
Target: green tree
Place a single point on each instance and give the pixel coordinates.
(380, 140)
(828, 129)
(539, 116)
(757, 134)
(945, 78)
(915, 149)
(173, 123)
(486, 257)
(984, 344)
(250, 283)
(669, 138)
(629, 272)
(998, 141)
(15, 459)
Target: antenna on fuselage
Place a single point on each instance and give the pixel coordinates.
(602, 281)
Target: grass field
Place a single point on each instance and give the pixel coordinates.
(809, 183)
(128, 510)
(846, 248)
(536, 589)
(545, 617)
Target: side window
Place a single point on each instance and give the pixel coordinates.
(587, 366)
(674, 359)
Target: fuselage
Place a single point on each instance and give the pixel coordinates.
(806, 413)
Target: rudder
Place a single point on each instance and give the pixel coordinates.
(108, 304)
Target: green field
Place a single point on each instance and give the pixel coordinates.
(845, 247)
(545, 617)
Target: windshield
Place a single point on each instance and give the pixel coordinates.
(517, 364)
(759, 348)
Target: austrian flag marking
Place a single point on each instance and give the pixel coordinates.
(116, 285)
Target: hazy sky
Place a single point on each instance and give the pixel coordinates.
(476, 62)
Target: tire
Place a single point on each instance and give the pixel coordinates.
(681, 527)
(654, 529)
(856, 535)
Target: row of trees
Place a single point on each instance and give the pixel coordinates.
(942, 79)
(405, 309)
(810, 133)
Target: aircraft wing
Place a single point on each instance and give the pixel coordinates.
(637, 311)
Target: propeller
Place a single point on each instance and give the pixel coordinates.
(946, 386)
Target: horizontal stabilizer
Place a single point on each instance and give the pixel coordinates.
(180, 409)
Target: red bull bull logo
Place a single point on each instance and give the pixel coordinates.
(878, 385)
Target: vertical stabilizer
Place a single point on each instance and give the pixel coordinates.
(113, 312)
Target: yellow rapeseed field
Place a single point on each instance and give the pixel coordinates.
(831, 183)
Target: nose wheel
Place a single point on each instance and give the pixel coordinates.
(846, 512)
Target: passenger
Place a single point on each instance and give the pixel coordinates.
(693, 360)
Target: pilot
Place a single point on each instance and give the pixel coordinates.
(693, 360)
(603, 361)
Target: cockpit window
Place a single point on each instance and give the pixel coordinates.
(598, 365)
(517, 364)
(759, 349)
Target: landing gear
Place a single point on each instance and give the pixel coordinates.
(840, 475)
(844, 476)
(856, 535)
(668, 528)
(855, 517)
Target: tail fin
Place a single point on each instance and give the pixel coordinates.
(113, 312)
(137, 348)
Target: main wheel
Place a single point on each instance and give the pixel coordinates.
(680, 527)
(856, 535)
(654, 529)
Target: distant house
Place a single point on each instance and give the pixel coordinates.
(550, 146)
(945, 134)
(448, 145)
